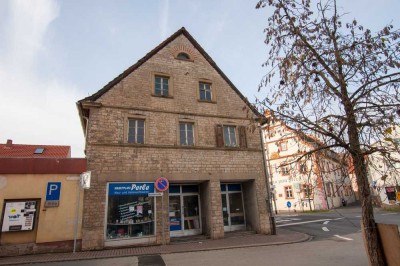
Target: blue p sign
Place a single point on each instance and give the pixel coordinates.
(53, 191)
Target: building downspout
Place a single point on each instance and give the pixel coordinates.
(268, 197)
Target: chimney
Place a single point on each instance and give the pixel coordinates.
(9, 143)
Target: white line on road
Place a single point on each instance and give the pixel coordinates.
(388, 213)
(325, 229)
(358, 216)
(326, 222)
(288, 220)
(307, 222)
(345, 238)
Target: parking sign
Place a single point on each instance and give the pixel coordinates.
(53, 194)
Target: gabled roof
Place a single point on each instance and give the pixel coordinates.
(10, 150)
(307, 139)
(132, 68)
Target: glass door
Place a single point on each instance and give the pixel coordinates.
(191, 213)
(232, 208)
(175, 217)
(184, 211)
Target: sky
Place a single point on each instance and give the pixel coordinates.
(54, 53)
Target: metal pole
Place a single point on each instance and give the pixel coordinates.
(162, 218)
(77, 213)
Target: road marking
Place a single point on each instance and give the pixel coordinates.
(358, 216)
(388, 213)
(326, 222)
(307, 222)
(345, 238)
(288, 220)
(325, 229)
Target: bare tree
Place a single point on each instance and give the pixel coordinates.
(338, 81)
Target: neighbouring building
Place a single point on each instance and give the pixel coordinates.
(39, 186)
(302, 181)
(12, 150)
(173, 114)
(384, 172)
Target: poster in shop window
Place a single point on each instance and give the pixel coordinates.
(19, 216)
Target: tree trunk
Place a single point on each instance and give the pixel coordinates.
(370, 231)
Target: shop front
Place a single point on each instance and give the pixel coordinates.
(130, 214)
(184, 210)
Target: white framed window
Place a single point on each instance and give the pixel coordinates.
(205, 91)
(230, 136)
(283, 146)
(307, 190)
(136, 131)
(186, 134)
(285, 170)
(161, 85)
(288, 192)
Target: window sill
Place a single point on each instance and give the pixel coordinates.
(162, 96)
(205, 101)
(231, 147)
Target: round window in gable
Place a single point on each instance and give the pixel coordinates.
(183, 56)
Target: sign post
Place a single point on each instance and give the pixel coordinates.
(289, 204)
(84, 183)
(162, 185)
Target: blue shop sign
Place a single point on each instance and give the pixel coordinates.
(127, 189)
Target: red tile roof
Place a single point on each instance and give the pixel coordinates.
(23, 150)
(42, 165)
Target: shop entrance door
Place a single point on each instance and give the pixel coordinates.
(232, 208)
(184, 214)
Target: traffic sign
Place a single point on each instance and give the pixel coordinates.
(53, 194)
(162, 184)
(155, 194)
(289, 204)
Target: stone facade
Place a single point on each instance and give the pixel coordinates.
(112, 159)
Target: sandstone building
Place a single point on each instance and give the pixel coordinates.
(173, 114)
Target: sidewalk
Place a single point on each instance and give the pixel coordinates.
(250, 240)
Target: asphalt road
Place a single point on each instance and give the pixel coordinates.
(334, 224)
(336, 241)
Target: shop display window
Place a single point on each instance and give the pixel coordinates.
(130, 216)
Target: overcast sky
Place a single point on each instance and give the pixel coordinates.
(54, 53)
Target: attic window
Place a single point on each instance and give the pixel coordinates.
(39, 151)
(183, 56)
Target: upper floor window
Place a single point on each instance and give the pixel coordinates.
(186, 134)
(161, 86)
(230, 136)
(136, 131)
(283, 146)
(205, 91)
(183, 56)
(288, 192)
(307, 190)
(302, 167)
(285, 170)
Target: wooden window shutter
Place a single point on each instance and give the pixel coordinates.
(242, 137)
(219, 135)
